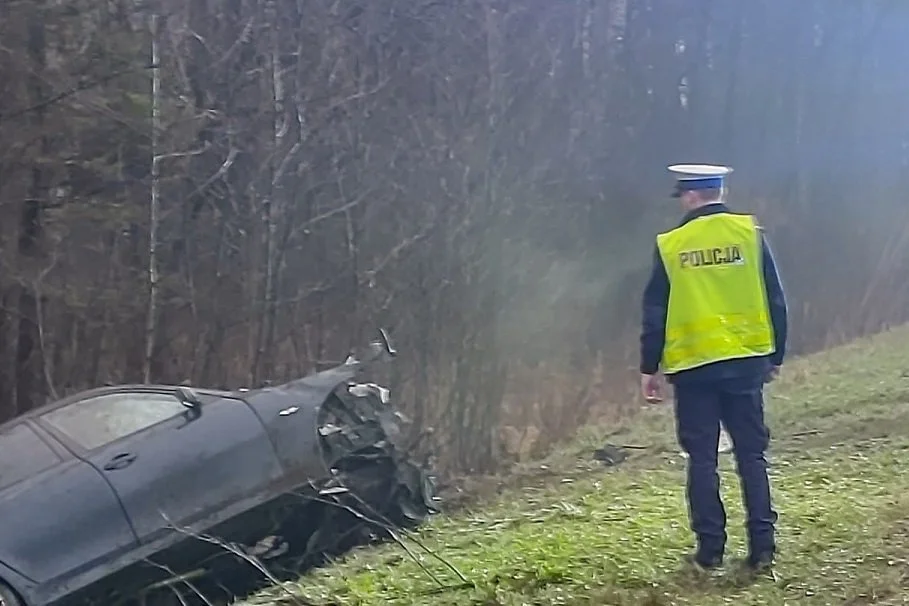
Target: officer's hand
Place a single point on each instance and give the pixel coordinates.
(772, 375)
(651, 388)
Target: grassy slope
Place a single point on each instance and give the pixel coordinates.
(580, 533)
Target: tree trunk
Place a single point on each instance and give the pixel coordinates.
(28, 360)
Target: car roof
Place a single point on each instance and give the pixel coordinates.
(115, 389)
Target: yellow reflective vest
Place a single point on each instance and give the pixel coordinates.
(718, 308)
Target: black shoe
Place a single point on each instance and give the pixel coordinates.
(753, 567)
(759, 562)
(704, 563)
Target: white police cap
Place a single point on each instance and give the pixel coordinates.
(698, 176)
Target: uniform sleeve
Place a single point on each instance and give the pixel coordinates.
(777, 303)
(653, 319)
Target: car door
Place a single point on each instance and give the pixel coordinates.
(169, 464)
(58, 516)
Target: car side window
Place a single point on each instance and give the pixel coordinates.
(23, 454)
(103, 419)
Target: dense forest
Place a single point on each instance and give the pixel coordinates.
(239, 191)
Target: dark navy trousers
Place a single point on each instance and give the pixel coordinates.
(739, 403)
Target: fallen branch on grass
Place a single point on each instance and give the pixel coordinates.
(173, 580)
(809, 432)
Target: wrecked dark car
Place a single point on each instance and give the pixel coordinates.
(138, 493)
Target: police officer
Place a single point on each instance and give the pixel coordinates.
(715, 319)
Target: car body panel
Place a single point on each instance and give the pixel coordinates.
(290, 415)
(169, 550)
(22, 586)
(187, 467)
(95, 528)
(289, 440)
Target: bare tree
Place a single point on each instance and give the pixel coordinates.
(154, 203)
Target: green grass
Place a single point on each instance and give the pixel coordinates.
(579, 533)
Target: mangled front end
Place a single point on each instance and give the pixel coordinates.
(350, 476)
(362, 443)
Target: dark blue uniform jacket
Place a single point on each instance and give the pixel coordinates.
(656, 303)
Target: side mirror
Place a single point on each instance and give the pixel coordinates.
(188, 397)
